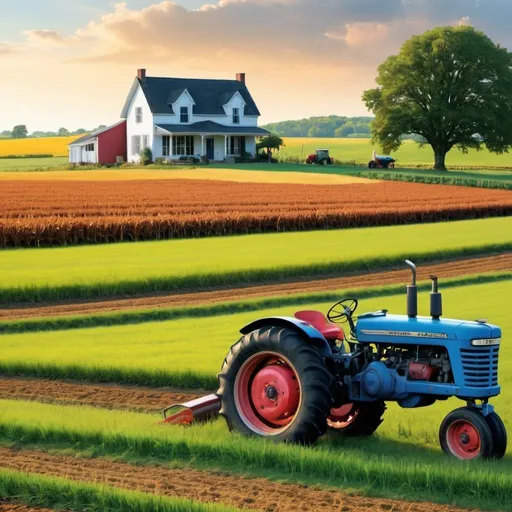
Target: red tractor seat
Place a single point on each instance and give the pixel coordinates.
(329, 330)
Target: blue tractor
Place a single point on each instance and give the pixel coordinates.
(292, 378)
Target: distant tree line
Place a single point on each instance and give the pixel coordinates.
(331, 126)
(21, 132)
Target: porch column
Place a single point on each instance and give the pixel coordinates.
(202, 145)
(225, 146)
(170, 146)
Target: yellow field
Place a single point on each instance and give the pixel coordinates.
(188, 174)
(56, 146)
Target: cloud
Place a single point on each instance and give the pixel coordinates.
(6, 49)
(37, 36)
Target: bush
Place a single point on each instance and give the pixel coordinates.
(42, 155)
(146, 156)
(205, 160)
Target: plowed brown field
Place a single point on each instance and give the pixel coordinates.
(249, 493)
(43, 213)
(13, 507)
(495, 263)
(104, 395)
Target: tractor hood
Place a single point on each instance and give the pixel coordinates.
(381, 327)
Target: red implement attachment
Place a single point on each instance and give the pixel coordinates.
(196, 411)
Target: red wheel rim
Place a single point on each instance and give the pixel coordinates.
(267, 393)
(463, 440)
(343, 416)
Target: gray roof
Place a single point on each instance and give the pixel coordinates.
(209, 95)
(209, 127)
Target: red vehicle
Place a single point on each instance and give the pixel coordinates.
(320, 157)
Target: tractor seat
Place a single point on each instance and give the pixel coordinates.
(329, 330)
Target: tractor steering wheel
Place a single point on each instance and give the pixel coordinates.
(342, 312)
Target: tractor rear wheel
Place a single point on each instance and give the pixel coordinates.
(274, 384)
(499, 435)
(466, 435)
(357, 419)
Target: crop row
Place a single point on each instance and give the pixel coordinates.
(173, 353)
(61, 213)
(388, 462)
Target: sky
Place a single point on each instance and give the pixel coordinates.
(71, 63)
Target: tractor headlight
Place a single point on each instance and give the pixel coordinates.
(486, 342)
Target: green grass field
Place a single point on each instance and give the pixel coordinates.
(410, 154)
(93, 271)
(188, 352)
(27, 164)
(63, 494)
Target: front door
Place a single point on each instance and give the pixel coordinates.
(210, 148)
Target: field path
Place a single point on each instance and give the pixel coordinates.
(249, 493)
(456, 268)
(133, 398)
(13, 507)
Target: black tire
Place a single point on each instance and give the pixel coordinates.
(366, 421)
(310, 419)
(371, 165)
(470, 424)
(499, 435)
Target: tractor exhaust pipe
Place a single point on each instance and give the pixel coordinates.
(436, 302)
(412, 293)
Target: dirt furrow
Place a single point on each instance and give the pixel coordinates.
(249, 493)
(99, 395)
(5, 506)
(461, 267)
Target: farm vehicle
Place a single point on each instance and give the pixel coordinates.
(381, 162)
(293, 378)
(320, 157)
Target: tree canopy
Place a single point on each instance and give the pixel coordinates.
(329, 126)
(19, 132)
(452, 86)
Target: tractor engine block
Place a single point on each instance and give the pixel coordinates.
(419, 363)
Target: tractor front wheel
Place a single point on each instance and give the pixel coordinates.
(499, 435)
(466, 435)
(274, 384)
(357, 419)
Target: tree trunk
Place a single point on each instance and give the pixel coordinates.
(440, 159)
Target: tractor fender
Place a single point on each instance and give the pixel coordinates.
(293, 324)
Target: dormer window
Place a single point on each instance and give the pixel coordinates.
(138, 115)
(236, 116)
(184, 114)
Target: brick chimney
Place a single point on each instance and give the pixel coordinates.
(240, 77)
(141, 74)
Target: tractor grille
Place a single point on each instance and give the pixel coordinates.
(480, 366)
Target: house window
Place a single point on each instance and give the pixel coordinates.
(89, 147)
(138, 115)
(166, 145)
(136, 149)
(236, 116)
(184, 114)
(183, 145)
(235, 146)
(145, 141)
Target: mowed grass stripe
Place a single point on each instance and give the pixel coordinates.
(382, 465)
(149, 267)
(188, 352)
(62, 494)
(162, 314)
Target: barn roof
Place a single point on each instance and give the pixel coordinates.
(89, 136)
(209, 95)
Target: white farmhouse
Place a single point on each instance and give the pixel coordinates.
(180, 117)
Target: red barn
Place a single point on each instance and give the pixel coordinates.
(103, 147)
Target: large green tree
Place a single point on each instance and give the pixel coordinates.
(19, 132)
(452, 86)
